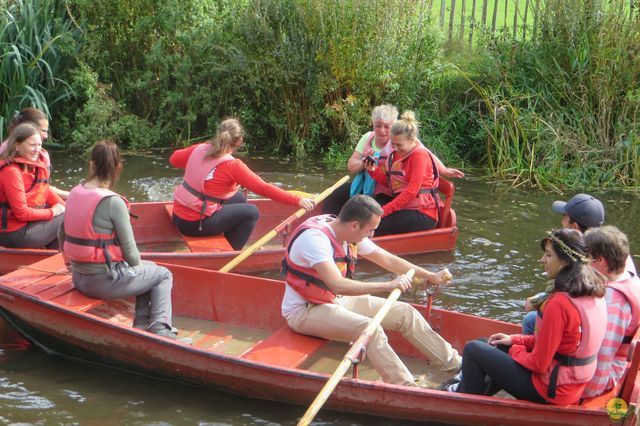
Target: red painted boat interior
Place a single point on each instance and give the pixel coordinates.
(239, 316)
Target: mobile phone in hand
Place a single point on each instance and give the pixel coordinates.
(369, 160)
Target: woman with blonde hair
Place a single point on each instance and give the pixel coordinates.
(30, 211)
(368, 150)
(407, 181)
(208, 201)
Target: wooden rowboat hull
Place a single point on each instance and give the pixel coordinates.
(269, 362)
(159, 240)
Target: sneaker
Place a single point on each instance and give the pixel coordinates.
(450, 385)
(169, 334)
(144, 326)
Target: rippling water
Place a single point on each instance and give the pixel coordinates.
(495, 267)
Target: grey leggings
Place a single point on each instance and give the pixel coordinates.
(43, 233)
(150, 283)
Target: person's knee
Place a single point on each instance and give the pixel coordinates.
(529, 323)
(166, 281)
(473, 347)
(252, 212)
(408, 314)
(378, 335)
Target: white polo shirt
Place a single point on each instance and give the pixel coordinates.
(309, 249)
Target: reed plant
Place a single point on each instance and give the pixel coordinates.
(37, 44)
(561, 109)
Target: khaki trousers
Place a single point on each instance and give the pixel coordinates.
(345, 320)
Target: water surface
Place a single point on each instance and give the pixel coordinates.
(495, 266)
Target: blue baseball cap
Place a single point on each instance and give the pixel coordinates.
(582, 208)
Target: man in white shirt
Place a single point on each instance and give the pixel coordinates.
(317, 265)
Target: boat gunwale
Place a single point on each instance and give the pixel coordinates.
(345, 383)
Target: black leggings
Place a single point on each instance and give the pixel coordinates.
(235, 220)
(487, 369)
(402, 221)
(43, 233)
(334, 202)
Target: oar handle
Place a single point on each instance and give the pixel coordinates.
(271, 234)
(351, 354)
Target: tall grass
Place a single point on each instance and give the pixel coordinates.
(562, 109)
(37, 44)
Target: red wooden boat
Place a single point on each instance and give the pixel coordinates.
(160, 241)
(242, 345)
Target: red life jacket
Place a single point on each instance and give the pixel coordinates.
(36, 187)
(427, 198)
(82, 243)
(190, 193)
(580, 366)
(630, 288)
(306, 280)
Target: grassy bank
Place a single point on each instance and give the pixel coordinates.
(556, 109)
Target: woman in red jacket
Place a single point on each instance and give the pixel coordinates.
(30, 211)
(41, 122)
(555, 364)
(208, 202)
(410, 173)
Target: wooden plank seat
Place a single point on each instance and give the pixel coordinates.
(284, 348)
(77, 301)
(59, 289)
(202, 244)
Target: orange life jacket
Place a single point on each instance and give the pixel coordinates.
(36, 187)
(630, 288)
(190, 193)
(82, 243)
(580, 366)
(306, 280)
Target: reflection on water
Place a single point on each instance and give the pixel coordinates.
(495, 267)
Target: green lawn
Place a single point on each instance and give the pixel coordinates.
(505, 11)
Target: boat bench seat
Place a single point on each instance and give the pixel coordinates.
(284, 348)
(203, 244)
(78, 301)
(63, 293)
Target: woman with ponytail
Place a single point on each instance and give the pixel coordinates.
(97, 241)
(407, 180)
(555, 364)
(208, 201)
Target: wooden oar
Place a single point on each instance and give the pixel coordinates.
(271, 234)
(301, 193)
(351, 356)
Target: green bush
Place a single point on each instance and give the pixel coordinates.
(561, 108)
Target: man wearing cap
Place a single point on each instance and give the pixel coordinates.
(581, 212)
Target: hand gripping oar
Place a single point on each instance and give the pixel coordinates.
(351, 356)
(271, 234)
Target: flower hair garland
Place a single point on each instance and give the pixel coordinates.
(568, 251)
